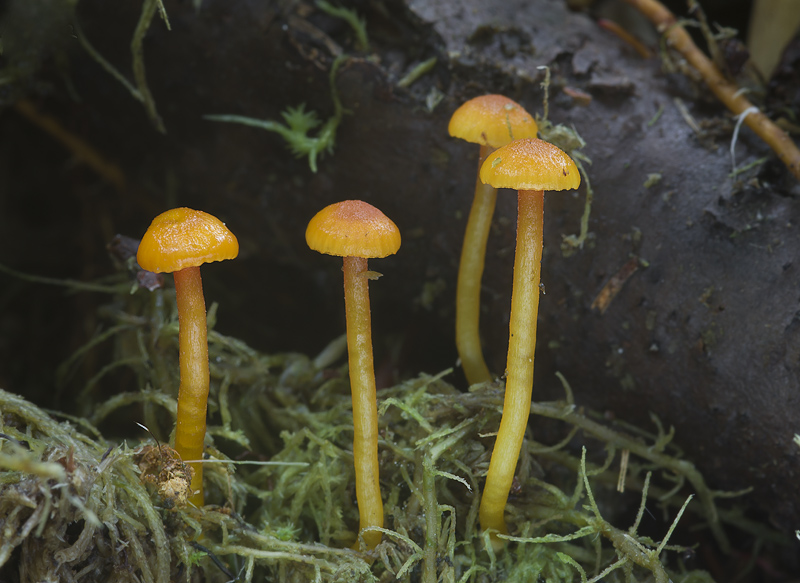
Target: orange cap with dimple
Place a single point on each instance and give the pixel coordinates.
(181, 238)
(353, 228)
(492, 120)
(530, 165)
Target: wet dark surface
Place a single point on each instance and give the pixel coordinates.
(707, 336)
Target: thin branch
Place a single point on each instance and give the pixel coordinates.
(726, 91)
(149, 9)
(80, 148)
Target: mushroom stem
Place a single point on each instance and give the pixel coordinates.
(519, 370)
(362, 387)
(470, 273)
(190, 427)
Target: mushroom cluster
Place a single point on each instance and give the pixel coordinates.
(491, 121)
(510, 157)
(180, 240)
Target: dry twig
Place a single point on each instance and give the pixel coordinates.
(79, 147)
(726, 91)
(625, 36)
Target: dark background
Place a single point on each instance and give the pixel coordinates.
(707, 336)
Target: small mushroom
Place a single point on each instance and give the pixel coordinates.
(491, 121)
(358, 231)
(179, 241)
(531, 166)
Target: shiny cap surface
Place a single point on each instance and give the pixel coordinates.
(353, 228)
(181, 238)
(530, 164)
(492, 120)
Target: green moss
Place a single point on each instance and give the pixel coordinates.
(299, 123)
(279, 478)
(351, 17)
(569, 140)
(139, 89)
(652, 179)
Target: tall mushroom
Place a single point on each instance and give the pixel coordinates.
(358, 231)
(179, 241)
(531, 166)
(491, 121)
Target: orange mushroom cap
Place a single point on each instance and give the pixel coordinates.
(492, 120)
(353, 228)
(530, 164)
(181, 238)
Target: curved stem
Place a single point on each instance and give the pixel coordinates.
(362, 387)
(470, 272)
(519, 371)
(190, 429)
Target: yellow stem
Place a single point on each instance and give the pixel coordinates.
(519, 371)
(190, 428)
(470, 273)
(362, 387)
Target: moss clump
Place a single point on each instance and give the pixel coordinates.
(279, 480)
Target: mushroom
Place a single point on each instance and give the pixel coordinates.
(179, 241)
(491, 121)
(531, 166)
(357, 231)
